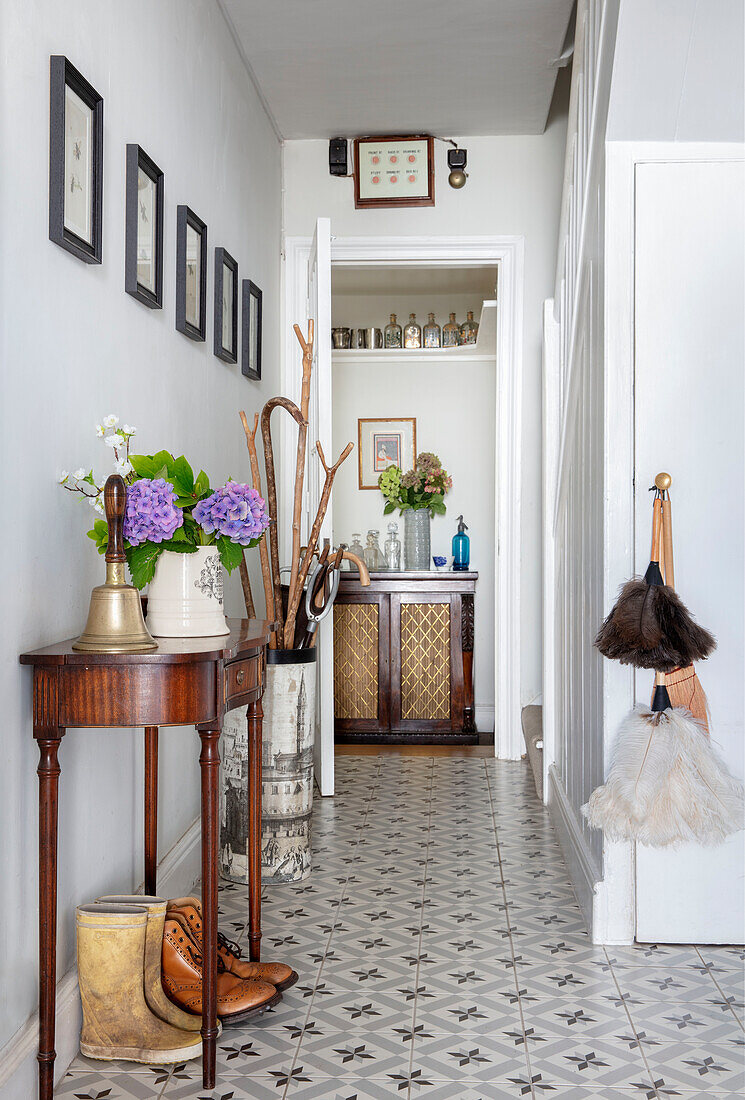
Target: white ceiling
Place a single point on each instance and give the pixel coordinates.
(330, 68)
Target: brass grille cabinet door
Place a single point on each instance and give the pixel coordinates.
(356, 643)
(425, 661)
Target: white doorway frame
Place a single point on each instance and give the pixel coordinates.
(507, 254)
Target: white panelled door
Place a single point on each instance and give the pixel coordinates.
(319, 428)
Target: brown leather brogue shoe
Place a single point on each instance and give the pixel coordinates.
(238, 999)
(188, 911)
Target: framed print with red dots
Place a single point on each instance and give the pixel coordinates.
(394, 171)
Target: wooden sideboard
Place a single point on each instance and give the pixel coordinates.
(403, 658)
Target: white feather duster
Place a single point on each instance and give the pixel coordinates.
(666, 784)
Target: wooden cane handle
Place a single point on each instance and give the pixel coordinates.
(667, 541)
(114, 502)
(656, 529)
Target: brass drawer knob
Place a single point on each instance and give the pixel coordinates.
(240, 676)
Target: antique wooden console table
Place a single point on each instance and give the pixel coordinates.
(185, 681)
(403, 657)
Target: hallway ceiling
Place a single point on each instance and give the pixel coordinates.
(330, 68)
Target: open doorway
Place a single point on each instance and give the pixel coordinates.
(308, 291)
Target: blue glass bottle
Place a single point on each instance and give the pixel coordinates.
(461, 548)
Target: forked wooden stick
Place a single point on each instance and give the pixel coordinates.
(302, 442)
(294, 602)
(271, 497)
(266, 571)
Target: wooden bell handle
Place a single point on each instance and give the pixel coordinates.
(656, 529)
(114, 502)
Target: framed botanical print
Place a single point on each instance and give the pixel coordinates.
(384, 443)
(191, 274)
(251, 349)
(75, 162)
(226, 307)
(143, 262)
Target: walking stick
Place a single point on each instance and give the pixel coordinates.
(271, 497)
(294, 602)
(266, 572)
(302, 438)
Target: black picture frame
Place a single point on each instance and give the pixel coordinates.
(251, 293)
(196, 328)
(223, 260)
(89, 248)
(138, 161)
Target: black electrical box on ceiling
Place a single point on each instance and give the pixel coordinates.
(338, 156)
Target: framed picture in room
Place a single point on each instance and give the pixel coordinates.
(384, 443)
(75, 162)
(251, 337)
(191, 274)
(394, 171)
(143, 254)
(226, 307)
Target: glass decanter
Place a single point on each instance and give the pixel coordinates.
(451, 333)
(469, 330)
(432, 335)
(374, 559)
(393, 549)
(357, 548)
(393, 333)
(412, 333)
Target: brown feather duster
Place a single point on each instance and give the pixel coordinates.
(650, 627)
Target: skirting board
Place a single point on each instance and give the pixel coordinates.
(484, 717)
(583, 870)
(177, 872)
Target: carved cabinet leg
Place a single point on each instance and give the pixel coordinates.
(467, 627)
(48, 772)
(255, 716)
(209, 761)
(151, 809)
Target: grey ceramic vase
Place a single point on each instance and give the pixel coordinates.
(416, 539)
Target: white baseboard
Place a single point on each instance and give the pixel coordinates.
(177, 872)
(583, 870)
(484, 717)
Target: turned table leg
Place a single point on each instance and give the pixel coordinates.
(209, 760)
(151, 809)
(48, 772)
(255, 715)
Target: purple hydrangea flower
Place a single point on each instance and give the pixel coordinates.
(234, 510)
(151, 515)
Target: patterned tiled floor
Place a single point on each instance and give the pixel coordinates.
(442, 955)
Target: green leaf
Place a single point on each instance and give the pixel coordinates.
(178, 546)
(231, 553)
(162, 460)
(144, 465)
(142, 560)
(202, 484)
(390, 507)
(179, 535)
(184, 474)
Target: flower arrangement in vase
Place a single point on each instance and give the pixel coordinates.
(178, 532)
(418, 494)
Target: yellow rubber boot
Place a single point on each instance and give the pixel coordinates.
(117, 1022)
(154, 995)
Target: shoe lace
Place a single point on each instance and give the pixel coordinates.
(229, 945)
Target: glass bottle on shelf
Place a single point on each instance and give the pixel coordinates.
(393, 549)
(469, 330)
(412, 333)
(393, 333)
(374, 559)
(451, 333)
(357, 548)
(345, 565)
(431, 333)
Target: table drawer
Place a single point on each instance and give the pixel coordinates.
(243, 677)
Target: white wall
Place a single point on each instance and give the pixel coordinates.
(460, 429)
(678, 71)
(75, 347)
(514, 188)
